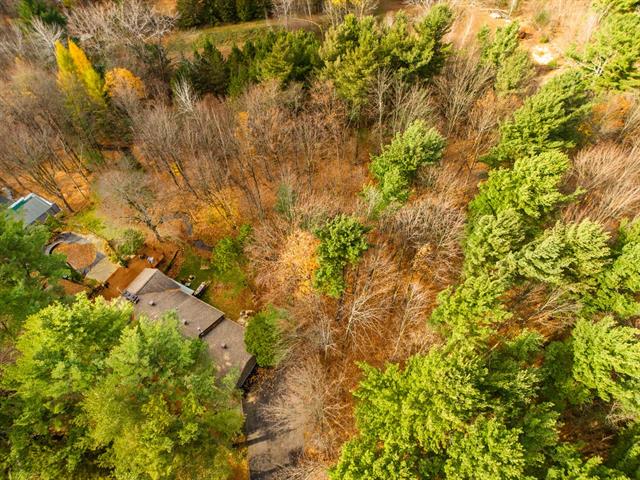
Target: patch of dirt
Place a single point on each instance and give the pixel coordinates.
(79, 255)
(122, 277)
(72, 288)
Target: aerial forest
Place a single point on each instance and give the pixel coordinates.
(408, 233)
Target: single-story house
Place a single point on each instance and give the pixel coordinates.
(154, 293)
(33, 208)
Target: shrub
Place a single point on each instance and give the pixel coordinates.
(42, 9)
(263, 337)
(342, 242)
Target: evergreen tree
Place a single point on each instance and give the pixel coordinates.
(547, 121)
(28, 277)
(619, 284)
(293, 57)
(342, 242)
(207, 72)
(156, 412)
(570, 256)
(511, 64)
(191, 13)
(607, 360)
(492, 241)
(62, 353)
(263, 337)
(42, 9)
(612, 57)
(397, 164)
(531, 188)
(488, 450)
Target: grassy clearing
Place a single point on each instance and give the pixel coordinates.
(229, 290)
(92, 221)
(182, 42)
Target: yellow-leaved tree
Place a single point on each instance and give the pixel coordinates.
(74, 68)
(122, 82)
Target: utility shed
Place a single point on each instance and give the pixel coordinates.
(33, 208)
(157, 294)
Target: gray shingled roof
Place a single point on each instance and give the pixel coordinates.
(225, 338)
(33, 208)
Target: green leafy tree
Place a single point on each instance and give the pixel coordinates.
(570, 465)
(612, 57)
(491, 241)
(570, 256)
(474, 307)
(342, 242)
(228, 252)
(157, 412)
(28, 277)
(397, 164)
(625, 455)
(264, 337)
(62, 354)
(131, 242)
(617, 5)
(191, 13)
(607, 360)
(293, 57)
(357, 49)
(352, 54)
(547, 121)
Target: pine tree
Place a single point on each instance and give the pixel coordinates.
(492, 241)
(293, 57)
(570, 256)
(157, 412)
(62, 353)
(619, 284)
(531, 188)
(607, 360)
(342, 242)
(28, 277)
(397, 164)
(547, 121)
(487, 450)
(208, 72)
(612, 57)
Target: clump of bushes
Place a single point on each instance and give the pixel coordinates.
(264, 336)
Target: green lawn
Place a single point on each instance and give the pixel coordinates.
(229, 291)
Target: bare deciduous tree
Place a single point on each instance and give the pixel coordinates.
(132, 192)
(610, 175)
(462, 82)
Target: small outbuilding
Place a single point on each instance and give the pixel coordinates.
(33, 209)
(155, 294)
